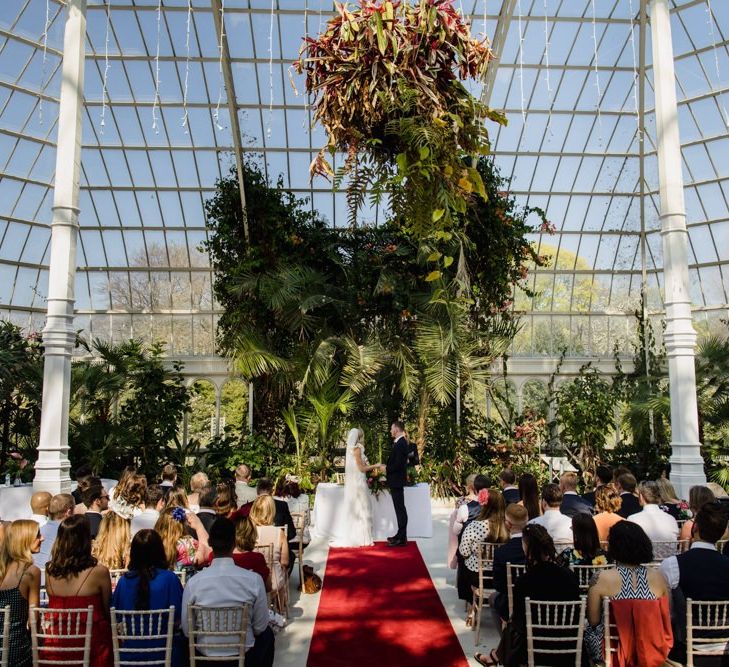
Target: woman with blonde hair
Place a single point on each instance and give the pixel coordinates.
(181, 549)
(111, 546)
(177, 497)
(261, 516)
(20, 585)
(607, 504)
(670, 502)
(699, 496)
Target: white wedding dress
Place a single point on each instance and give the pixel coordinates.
(357, 531)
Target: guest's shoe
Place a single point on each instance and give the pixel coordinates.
(392, 539)
(398, 543)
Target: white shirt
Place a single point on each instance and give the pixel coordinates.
(224, 584)
(40, 519)
(657, 524)
(669, 566)
(146, 520)
(556, 524)
(244, 493)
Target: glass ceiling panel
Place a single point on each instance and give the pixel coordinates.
(156, 136)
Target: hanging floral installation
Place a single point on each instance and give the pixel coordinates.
(386, 84)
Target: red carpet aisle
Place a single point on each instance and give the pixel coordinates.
(379, 608)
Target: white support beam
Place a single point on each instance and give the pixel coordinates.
(497, 46)
(687, 466)
(59, 336)
(232, 105)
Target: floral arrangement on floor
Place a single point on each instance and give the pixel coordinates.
(376, 482)
(386, 84)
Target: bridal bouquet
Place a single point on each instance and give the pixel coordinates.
(376, 482)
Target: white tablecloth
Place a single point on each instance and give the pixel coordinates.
(329, 516)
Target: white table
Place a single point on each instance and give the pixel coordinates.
(329, 516)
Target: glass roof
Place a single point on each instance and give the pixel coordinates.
(157, 134)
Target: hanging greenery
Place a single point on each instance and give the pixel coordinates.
(386, 81)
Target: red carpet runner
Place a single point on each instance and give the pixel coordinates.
(379, 608)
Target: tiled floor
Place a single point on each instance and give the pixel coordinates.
(292, 643)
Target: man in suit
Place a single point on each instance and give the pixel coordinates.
(626, 484)
(701, 573)
(397, 464)
(507, 479)
(511, 552)
(571, 503)
(603, 476)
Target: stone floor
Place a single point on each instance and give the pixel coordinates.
(292, 643)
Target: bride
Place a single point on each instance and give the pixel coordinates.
(358, 511)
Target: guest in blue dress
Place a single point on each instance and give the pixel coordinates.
(150, 585)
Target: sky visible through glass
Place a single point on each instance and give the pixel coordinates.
(156, 136)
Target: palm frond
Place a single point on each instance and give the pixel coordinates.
(362, 364)
(252, 359)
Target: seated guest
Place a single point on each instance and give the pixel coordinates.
(244, 554)
(207, 513)
(149, 585)
(545, 579)
(607, 504)
(176, 496)
(571, 503)
(529, 493)
(126, 475)
(224, 584)
(197, 483)
(168, 476)
(154, 503)
(74, 580)
(507, 479)
(96, 500)
(630, 504)
(586, 549)
(470, 508)
(658, 525)
(489, 526)
(511, 552)
(558, 525)
(244, 492)
(298, 503)
(669, 502)
(225, 501)
(282, 516)
(262, 516)
(81, 474)
(61, 506)
(129, 494)
(39, 504)
(111, 546)
(603, 476)
(182, 550)
(639, 598)
(699, 496)
(19, 585)
(701, 573)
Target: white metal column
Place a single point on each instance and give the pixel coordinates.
(687, 466)
(52, 467)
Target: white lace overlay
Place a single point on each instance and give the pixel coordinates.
(356, 499)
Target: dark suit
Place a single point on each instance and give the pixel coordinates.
(572, 504)
(207, 518)
(397, 464)
(629, 506)
(511, 552)
(589, 498)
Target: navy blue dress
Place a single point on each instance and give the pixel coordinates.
(165, 590)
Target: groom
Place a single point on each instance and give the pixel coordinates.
(397, 464)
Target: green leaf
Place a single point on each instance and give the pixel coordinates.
(381, 39)
(402, 161)
(433, 275)
(438, 214)
(447, 261)
(433, 257)
(424, 152)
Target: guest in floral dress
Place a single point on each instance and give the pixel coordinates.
(182, 550)
(586, 549)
